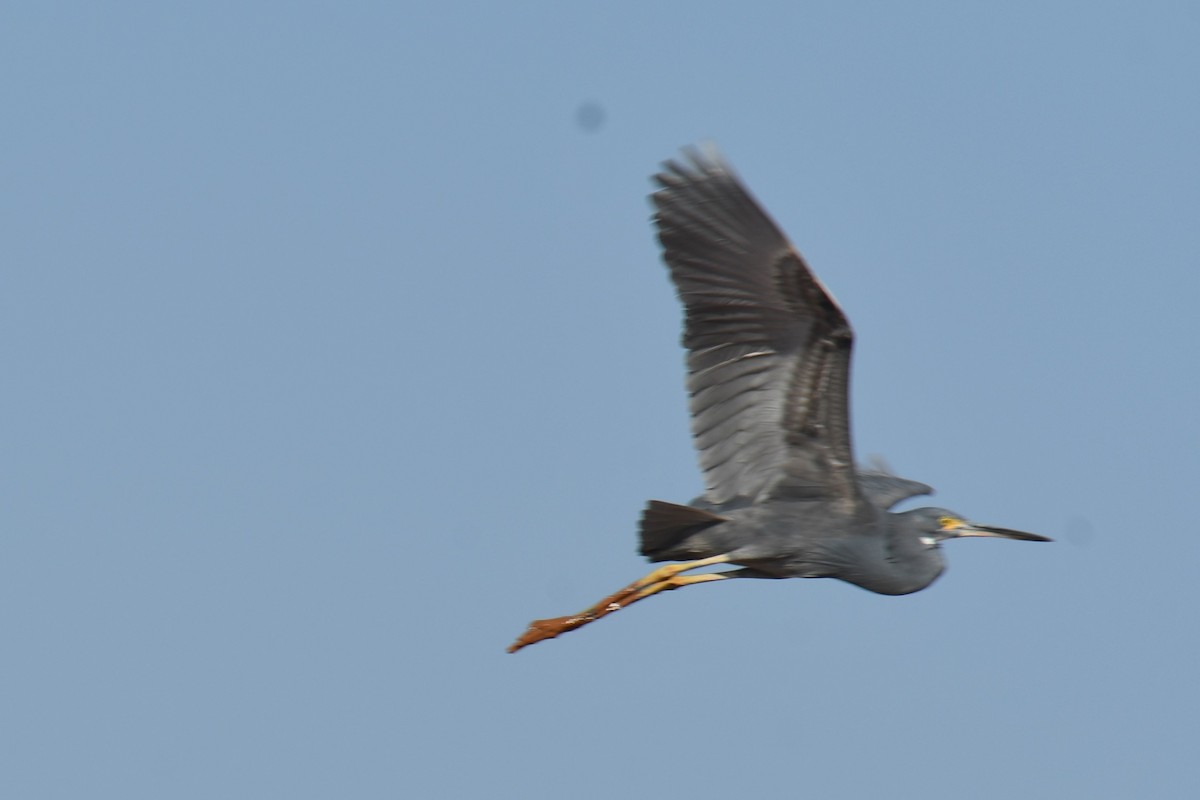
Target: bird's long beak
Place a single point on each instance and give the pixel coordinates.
(972, 529)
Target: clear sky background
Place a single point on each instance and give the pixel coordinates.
(336, 347)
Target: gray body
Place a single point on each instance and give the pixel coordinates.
(809, 539)
(768, 375)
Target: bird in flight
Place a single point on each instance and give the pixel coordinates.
(768, 363)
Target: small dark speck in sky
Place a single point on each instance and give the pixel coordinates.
(590, 117)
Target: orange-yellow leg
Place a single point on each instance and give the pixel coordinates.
(660, 580)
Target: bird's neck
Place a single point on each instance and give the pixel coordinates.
(895, 563)
(912, 563)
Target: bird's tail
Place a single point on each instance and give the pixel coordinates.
(666, 525)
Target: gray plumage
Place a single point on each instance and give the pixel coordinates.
(768, 362)
(768, 375)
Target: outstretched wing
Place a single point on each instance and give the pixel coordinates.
(768, 348)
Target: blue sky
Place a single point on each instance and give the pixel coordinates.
(336, 350)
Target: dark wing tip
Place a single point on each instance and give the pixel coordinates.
(701, 206)
(699, 161)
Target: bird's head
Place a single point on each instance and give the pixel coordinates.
(935, 525)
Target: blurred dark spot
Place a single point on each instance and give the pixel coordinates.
(590, 117)
(1078, 531)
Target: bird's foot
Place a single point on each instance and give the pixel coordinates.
(541, 629)
(660, 580)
